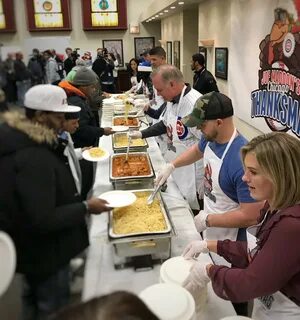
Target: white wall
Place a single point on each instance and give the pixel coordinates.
(85, 40)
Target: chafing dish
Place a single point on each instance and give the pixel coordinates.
(157, 244)
(120, 143)
(131, 181)
(121, 121)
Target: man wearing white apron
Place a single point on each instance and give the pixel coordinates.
(169, 83)
(228, 205)
(156, 109)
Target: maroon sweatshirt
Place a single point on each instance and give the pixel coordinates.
(274, 267)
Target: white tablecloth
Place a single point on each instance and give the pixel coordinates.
(100, 275)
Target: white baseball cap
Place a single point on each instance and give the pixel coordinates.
(47, 97)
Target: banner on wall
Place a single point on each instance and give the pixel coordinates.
(277, 97)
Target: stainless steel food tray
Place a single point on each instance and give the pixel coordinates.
(122, 149)
(129, 178)
(141, 236)
(130, 126)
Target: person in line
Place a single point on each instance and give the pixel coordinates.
(112, 57)
(40, 207)
(118, 305)
(103, 66)
(36, 66)
(80, 89)
(22, 76)
(51, 68)
(267, 266)
(169, 83)
(70, 61)
(10, 88)
(60, 64)
(203, 80)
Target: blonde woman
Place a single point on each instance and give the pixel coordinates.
(268, 264)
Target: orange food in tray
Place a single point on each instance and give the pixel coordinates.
(122, 122)
(137, 165)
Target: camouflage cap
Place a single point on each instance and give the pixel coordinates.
(211, 106)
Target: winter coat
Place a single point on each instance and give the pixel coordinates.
(39, 205)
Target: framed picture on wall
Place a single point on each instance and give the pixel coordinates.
(142, 44)
(169, 52)
(7, 16)
(48, 15)
(203, 51)
(176, 54)
(104, 14)
(221, 63)
(116, 48)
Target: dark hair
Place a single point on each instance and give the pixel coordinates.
(129, 65)
(199, 58)
(119, 305)
(29, 113)
(158, 51)
(113, 56)
(48, 52)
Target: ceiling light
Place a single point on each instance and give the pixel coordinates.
(161, 13)
(181, 2)
(156, 16)
(166, 10)
(173, 7)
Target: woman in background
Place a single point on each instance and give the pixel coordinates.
(133, 71)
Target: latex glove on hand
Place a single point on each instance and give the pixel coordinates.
(194, 248)
(135, 134)
(164, 174)
(200, 221)
(197, 279)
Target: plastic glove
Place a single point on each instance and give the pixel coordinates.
(200, 221)
(197, 279)
(164, 174)
(194, 248)
(135, 134)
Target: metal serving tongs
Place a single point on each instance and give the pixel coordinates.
(153, 194)
(127, 151)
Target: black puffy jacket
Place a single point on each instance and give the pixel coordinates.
(39, 204)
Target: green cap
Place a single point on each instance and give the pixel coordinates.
(210, 106)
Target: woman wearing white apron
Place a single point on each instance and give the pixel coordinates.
(267, 266)
(168, 81)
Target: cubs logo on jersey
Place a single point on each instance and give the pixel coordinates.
(182, 130)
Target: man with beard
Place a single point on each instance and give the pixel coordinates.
(203, 80)
(228, 206)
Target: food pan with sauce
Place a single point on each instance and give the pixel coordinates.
(137, 166)
(122, 121)
(140, 218)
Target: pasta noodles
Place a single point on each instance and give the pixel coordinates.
(139, 217)
(121, 140)
(96, 152)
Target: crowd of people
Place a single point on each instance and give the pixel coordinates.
(245, 195)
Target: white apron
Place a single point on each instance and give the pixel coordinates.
(185, 177)
(276, 306)
(215, 200)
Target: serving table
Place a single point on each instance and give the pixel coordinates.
(100, 275)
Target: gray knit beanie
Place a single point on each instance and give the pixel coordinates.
(84, 77)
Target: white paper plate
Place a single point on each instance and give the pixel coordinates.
(8, 261)
(118, 198)
(86, 155)
(120, 128)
